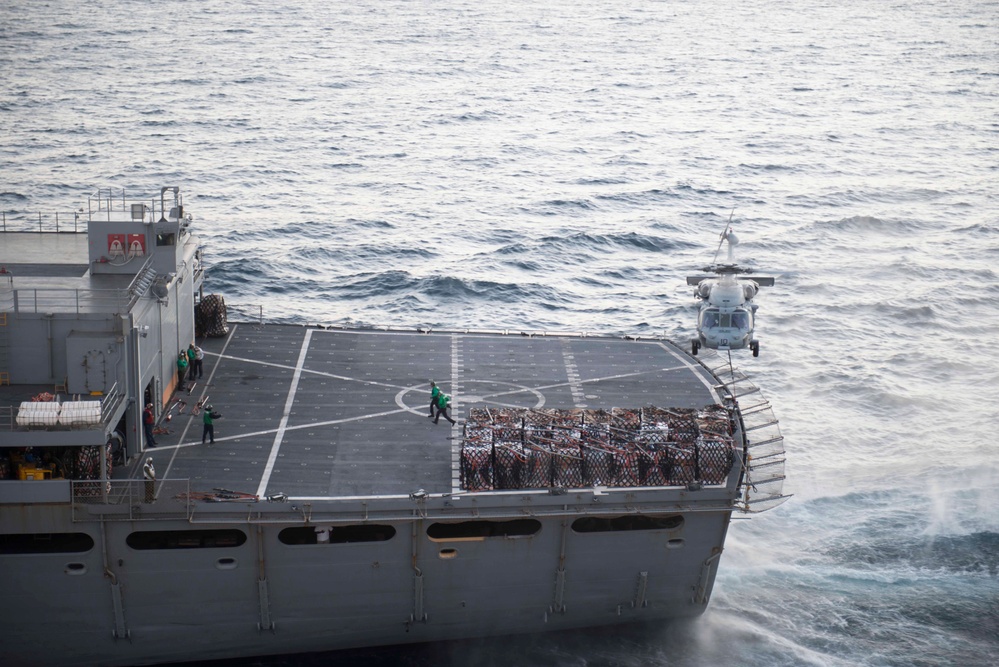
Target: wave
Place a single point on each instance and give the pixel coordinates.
(979, 229)
(560, 207)
(452, 288)
(363, 255)
(239, 274)
(687, 188)
(863, 223)
(581, 242)
(769, 167)
(654, 196)
(600, 181)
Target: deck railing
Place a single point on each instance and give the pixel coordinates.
(242, 312)
(124, 499)
(77, 301)
(72, 222)
(100, 205)
(34, 300)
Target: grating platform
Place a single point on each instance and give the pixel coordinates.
(329, 413)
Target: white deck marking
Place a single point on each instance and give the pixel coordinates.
(306, 370)
(485, 398)
(279, 436)
(694, 366)
(253, 434)
(572, 373)
(456, 363)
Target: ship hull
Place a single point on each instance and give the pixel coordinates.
(265, 596)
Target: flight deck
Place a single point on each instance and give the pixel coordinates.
(314, 412)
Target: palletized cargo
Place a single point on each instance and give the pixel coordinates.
(623, 447)
(477, 468)
(714, 460)
(567, 464)
(509, 464)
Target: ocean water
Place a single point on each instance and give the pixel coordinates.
(563, 165)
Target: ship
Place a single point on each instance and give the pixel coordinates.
(576, 480)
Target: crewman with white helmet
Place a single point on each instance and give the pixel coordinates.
(149, 473)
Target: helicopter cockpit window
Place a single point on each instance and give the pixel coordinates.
(737, 320)
(740, 319)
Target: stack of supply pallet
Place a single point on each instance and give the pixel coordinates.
(536, 449)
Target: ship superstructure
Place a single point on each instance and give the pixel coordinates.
(588, 480)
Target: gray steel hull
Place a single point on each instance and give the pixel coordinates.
(187, 604)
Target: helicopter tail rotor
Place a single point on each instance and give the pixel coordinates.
(733, 241)
(725, 235)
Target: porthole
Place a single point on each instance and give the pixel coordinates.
(75, 569)
(674, 544)
(364, 532)
(480, 530)
(447, 554)
(226, 563)
(593, 524)
(186, 539)
(45, 543)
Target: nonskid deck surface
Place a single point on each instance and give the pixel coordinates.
(327, 413)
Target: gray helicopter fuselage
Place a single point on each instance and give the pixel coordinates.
(725, 317)
(726, 312)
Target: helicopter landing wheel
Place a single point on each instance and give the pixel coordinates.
(756, 349)
(694, 347)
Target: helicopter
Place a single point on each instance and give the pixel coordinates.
(726, 312)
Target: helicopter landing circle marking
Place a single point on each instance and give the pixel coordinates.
(479, 397)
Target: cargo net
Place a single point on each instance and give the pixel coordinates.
(210, 317)
(539, 449)
(88, 467)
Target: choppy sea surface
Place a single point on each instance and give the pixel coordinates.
(563, 165)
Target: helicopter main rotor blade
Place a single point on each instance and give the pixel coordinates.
(762, 281)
